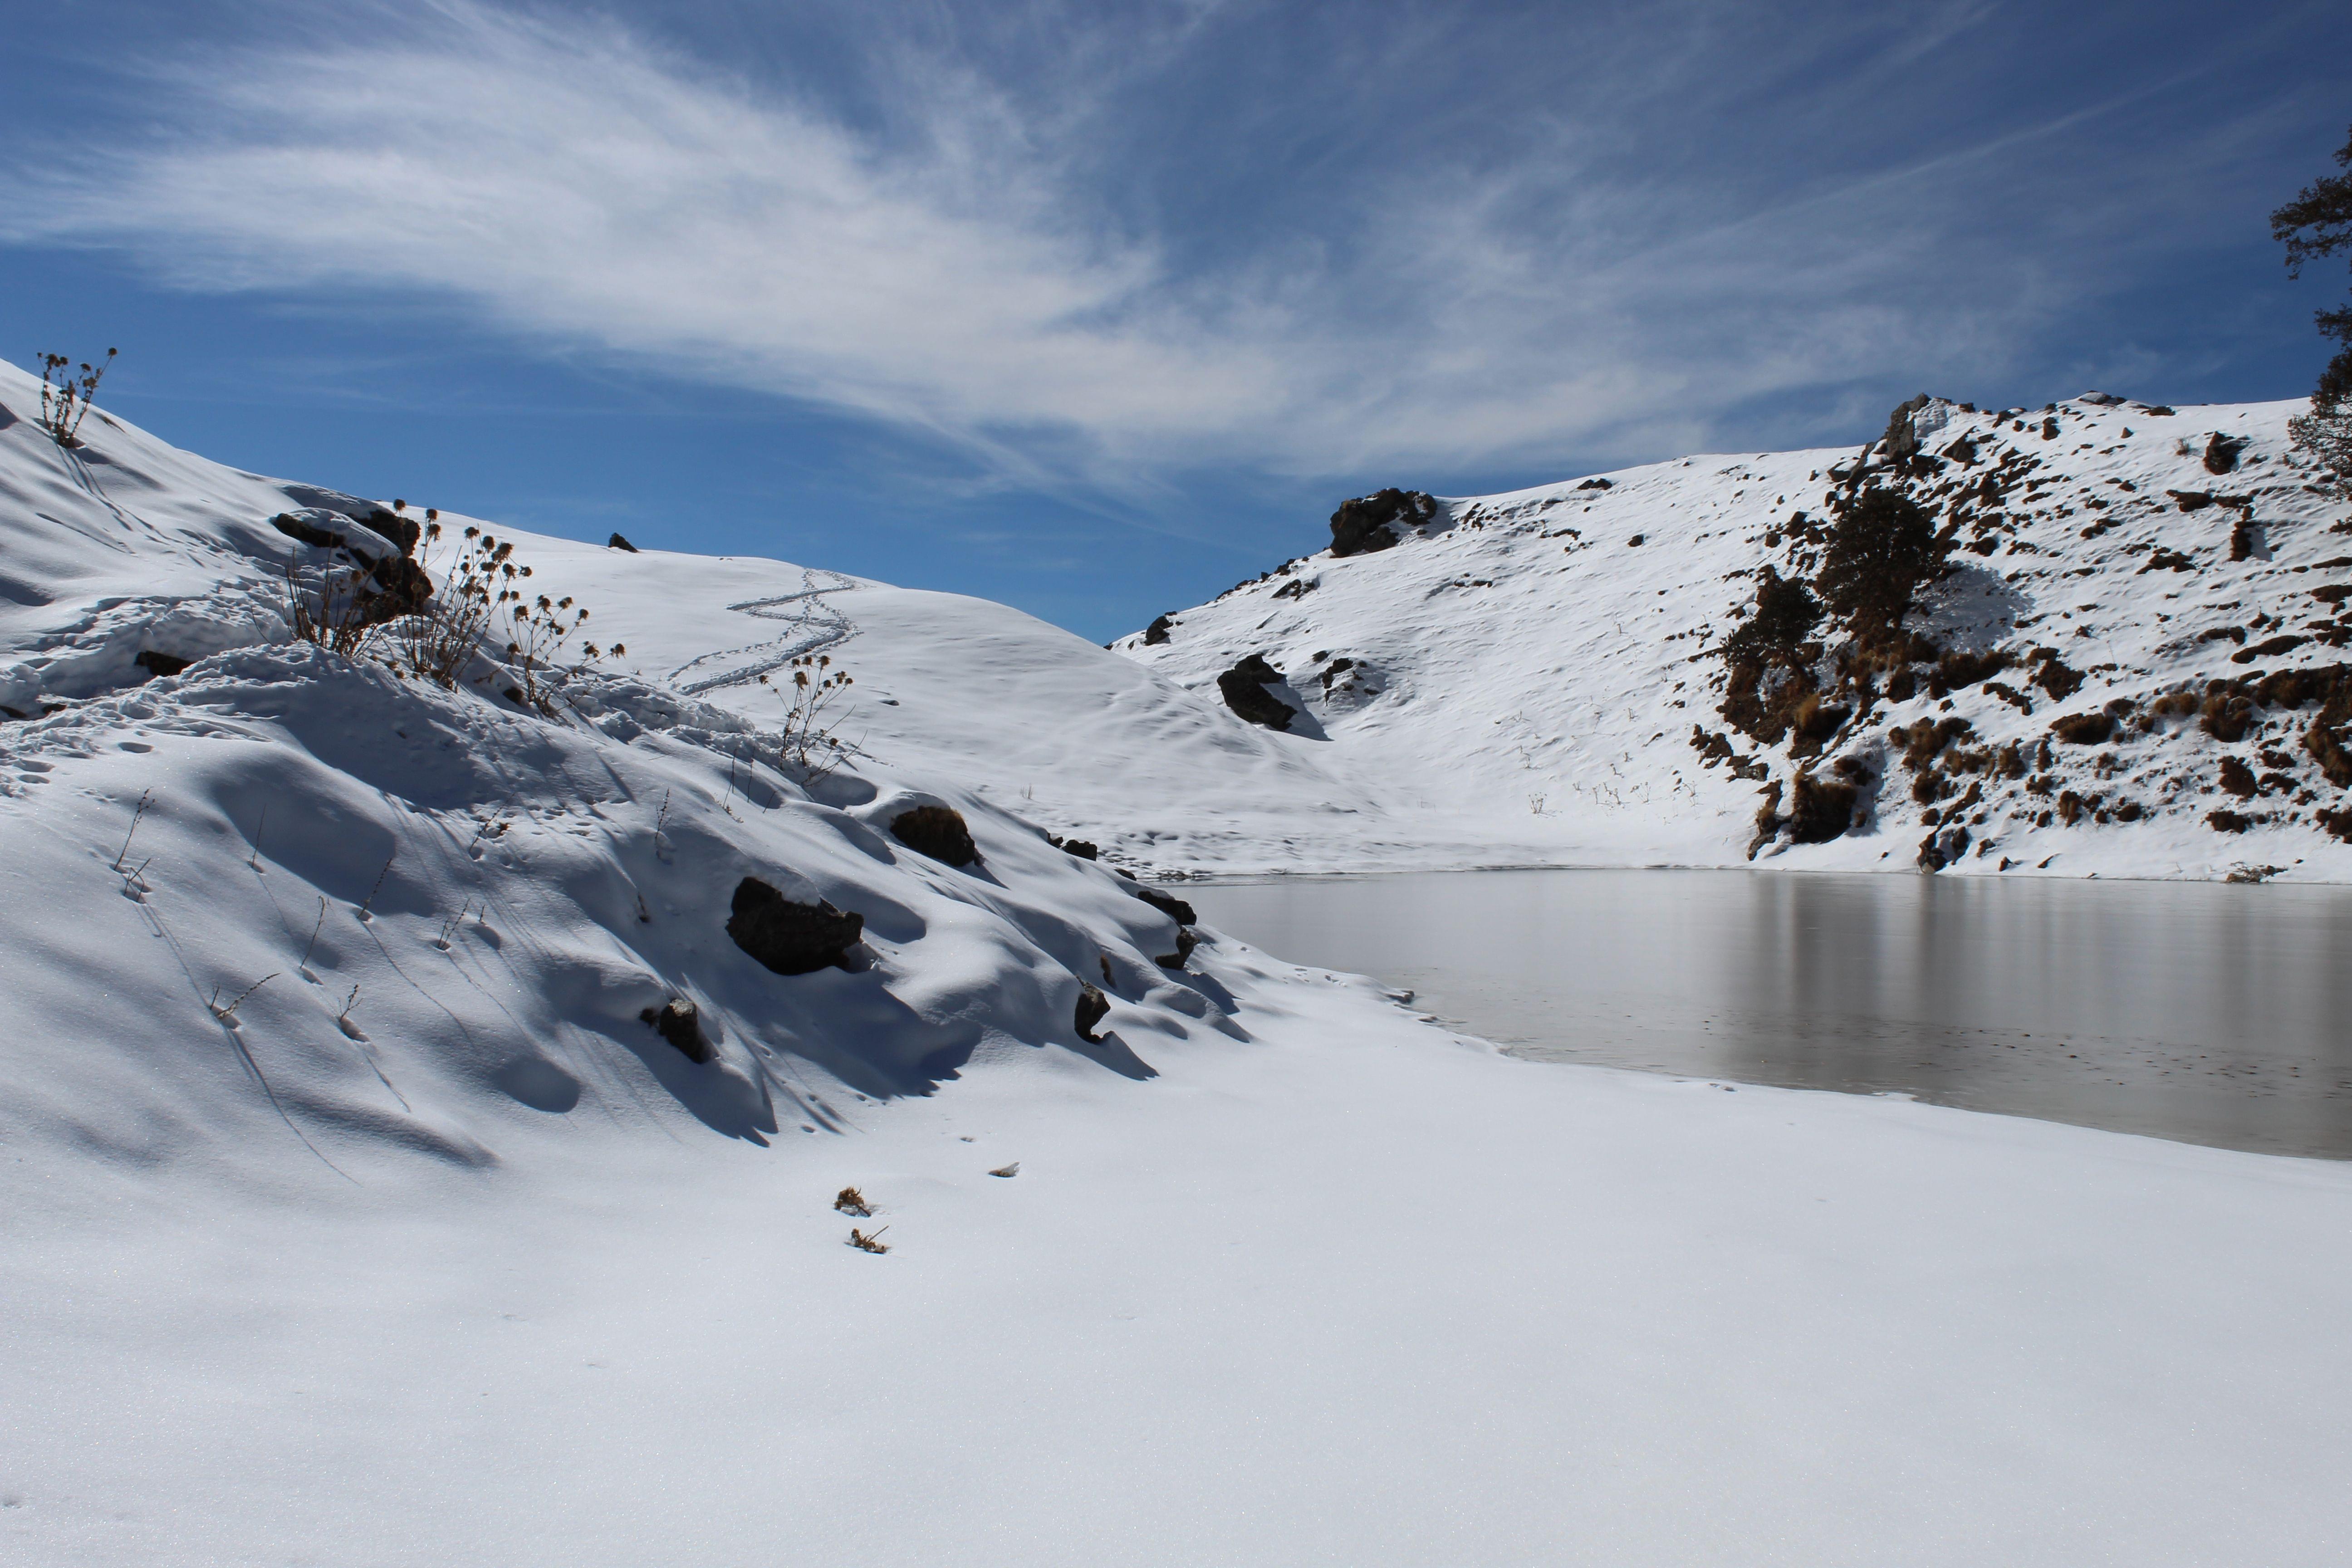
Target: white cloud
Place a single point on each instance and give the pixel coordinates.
(573, 182)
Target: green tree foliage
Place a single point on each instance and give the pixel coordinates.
(1882, 548)
(2315, 225)
(1786, 615)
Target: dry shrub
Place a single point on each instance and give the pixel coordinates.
(2294, 688)
(808, 722)
(335, 615)
(2227, 712)
(65, 404)
(2239, 779)
(1820, 809)
(2057, 680)
(2084, 728)
(1815, 720)
(1962, 669)
(1882, 548)
(1923, 741)
(2329, 730)
(1768, 818)
(2227, 821)
(1786, 615)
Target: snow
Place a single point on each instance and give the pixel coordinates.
(469, 1265)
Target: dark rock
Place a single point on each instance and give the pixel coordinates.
(1093, 1008)
(2160, 410)
(1366, 524)
(1596, 483)
(2221, 452)
(1243, 688)
(2192, 501)
(680, 1023)
(1168, 904)
(1634, 541)
(2050, 429)
(404, 531)
(937, 831)
(1902, 440)
(1156, 632)
(790, 938)
(156, 663)
(2100, 399)
(1941, 847)
(1187, 939)
(1077, 848)
(311, 526)
(618, 542)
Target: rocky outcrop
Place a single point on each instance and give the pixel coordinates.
(1243, 688)
(1369, 523)
(790, 938)
(618, 542)
(1158, 631)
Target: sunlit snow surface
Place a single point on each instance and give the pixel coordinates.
(432, 1252)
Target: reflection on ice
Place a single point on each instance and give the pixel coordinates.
(2207, 1013)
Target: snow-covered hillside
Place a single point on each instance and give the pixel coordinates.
(2122, 672)
(221, 834)
(422, 1112)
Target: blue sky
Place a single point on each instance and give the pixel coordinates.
(1097, 310)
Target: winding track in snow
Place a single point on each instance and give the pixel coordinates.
(817, 625)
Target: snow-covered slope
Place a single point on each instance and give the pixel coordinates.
(1547, 664)
(351, 1211)
(388, 915)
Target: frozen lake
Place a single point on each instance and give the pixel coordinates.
(2208, 1013)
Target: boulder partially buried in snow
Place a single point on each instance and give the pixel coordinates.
(680, 1021)
(1243, 688)
(790, 938)
(1093, 1008)
(938, 831)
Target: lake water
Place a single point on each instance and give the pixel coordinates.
(2208, 1013)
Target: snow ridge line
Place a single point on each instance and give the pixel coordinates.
(817, 625)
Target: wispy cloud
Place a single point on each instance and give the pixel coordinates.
(971, 265)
